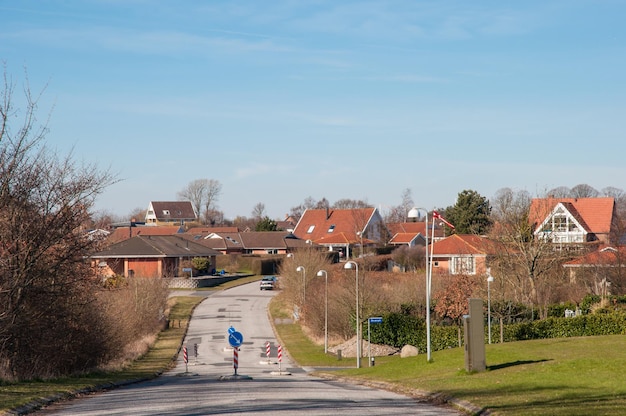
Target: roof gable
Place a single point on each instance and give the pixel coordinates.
(595, 215)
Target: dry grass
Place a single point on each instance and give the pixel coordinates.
(160, 357)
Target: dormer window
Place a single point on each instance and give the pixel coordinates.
(166, 212)
(331, 228)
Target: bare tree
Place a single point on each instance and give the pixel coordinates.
(298, 210)
(613, 192)
(350, 204)
(530, 266)
(559, 192)
(399, 212)
(137, 214)
(45, 286)
(258, 211)
(508, 205)
(583, 191)
(203, 195)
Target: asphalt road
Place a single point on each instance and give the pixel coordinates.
(208, 384)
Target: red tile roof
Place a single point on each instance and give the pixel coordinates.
(333, 225)
(403, 238)
(414, 228)
(594, 213)
(407, 227)
(604, 256)
(463, 244)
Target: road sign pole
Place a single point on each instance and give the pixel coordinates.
(280, 357)
(235, 359)
(372, 320)
(185, 358)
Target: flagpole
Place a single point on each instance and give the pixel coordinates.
(430, 280)
(428, 270)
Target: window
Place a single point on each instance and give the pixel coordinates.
(310, 230)
(331, 228)
(562, 228)
(462, 265)
(166, 212)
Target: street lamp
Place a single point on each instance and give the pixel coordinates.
(414, 213)
(353, 265)
(489, 280)
(325, 274)
(303, 270)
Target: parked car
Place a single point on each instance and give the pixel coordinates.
(269, 283)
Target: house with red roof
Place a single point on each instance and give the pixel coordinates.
(412, 233)
(462, 254)
(342, 230)
(600, 268)
(573, 220)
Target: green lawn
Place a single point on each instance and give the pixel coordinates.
(573, 376)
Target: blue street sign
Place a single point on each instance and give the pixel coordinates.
(376, 320)
(231, 329)
(235, 339)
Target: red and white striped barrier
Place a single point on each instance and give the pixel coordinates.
(185, 357)
(236, 359)
(267, 350)
(280, 354)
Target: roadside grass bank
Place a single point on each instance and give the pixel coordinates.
(566, 376)
(28, 396)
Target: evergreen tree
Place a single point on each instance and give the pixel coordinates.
(471, 214)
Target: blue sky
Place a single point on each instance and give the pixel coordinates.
(283, 100)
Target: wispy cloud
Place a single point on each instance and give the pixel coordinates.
(143, 42)
(262, 169)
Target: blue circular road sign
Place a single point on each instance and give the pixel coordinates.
(235, 339)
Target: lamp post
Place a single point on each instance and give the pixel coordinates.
(325, 274)
(350, 265)
(489, 280)
(414, 213)
(303, 271)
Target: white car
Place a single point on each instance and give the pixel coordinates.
(268, 283)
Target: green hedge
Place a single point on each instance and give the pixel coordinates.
(583, 325)
(398, 330)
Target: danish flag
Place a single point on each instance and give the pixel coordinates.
(436, 215)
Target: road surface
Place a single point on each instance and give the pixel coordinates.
(207, 383)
